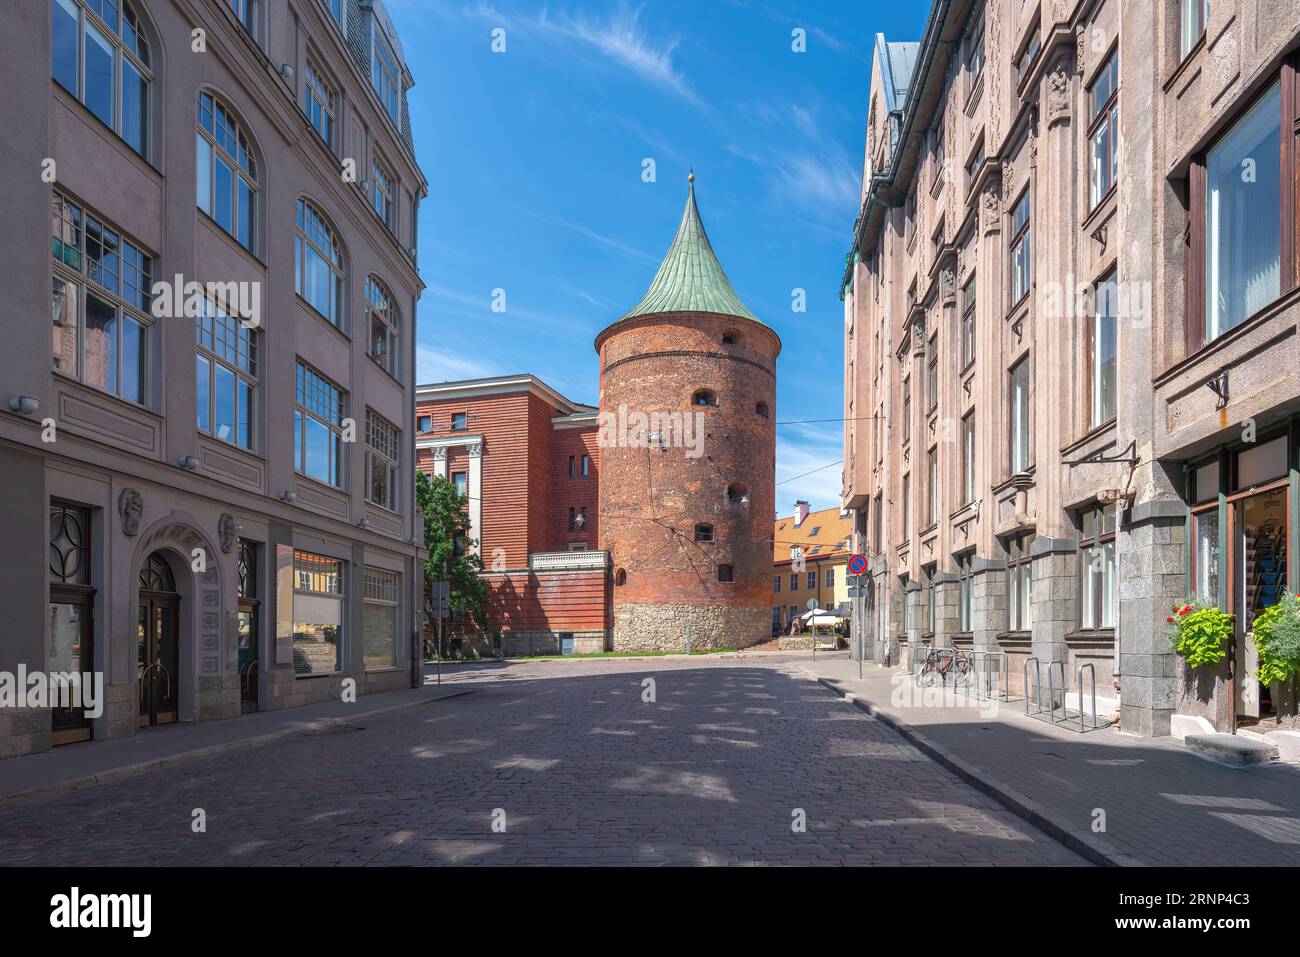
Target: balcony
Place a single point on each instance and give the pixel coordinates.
(568, 561)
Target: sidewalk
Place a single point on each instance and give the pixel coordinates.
(95, 762)
(1161, 804)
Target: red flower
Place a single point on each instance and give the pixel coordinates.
(1170, 619)
(1186, 610)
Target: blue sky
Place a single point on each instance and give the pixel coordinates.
(534, 161)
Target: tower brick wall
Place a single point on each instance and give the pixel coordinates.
(666, 583)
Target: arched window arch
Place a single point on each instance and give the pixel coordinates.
(102, 57)
(730, 337)
(318, 264)
(703, 532)
(385, 324)
(620, 576)
(227, 188)
(726, 573)
(704, 397)
(760, 408)
(737, 494)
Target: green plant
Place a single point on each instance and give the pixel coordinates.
(1200, 633)
(446, 536)
(1276, 634)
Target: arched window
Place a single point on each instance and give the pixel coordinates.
(737, 494)
(704, 397)
(156, 575)
(730, 337)
(99, 48)
(703, 532)
(760, 408)
(385, 323)
(620, 577)
(726, 573)
(318, 259)
(227, 172)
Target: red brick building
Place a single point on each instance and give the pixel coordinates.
(526, 458)
(644, 524)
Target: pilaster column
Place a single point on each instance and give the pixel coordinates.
(475, 450)
(440, 461)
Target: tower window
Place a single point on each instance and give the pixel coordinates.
(737, 494)
(730, 337)
(725, 573)
(704, 397)
(703, 532)
(620, 576)
(761, 409)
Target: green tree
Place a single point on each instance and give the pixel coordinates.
(446, 536)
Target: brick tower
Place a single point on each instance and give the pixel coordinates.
(688, 457)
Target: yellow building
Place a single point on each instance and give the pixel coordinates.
(810, 554)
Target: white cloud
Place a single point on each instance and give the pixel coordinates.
(439, 364)
(802, 451)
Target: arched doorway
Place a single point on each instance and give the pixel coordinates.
(158, 643)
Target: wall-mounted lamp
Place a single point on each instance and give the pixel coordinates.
(286, 70)
(288, 497)
(364, 523)
(188, 462)
(24, 404)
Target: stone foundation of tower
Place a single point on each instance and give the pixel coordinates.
(667, 627)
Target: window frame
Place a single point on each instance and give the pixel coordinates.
(1020, 432)
(1106, 293)
(383, 192)
(75, 267)
(246, 374)
(387, 67)
(968, 451)
(1021, 236)
(1099, 539)
(311, 225)
(1202, 10)
(242, 165)
(377, 585)
(381, 311)
(1103, 117)
(1196, 236)
(384, 451)
(1020, 578)
(306, 410)
(969, 294)
(320, 102)
(337, 593)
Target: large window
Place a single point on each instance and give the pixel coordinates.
(225, 376)
(968, 323)
(383, 73)
(382, 191)
(1102, 345)
(1103, 131)
(383, 454)
(1243, 233)
(1021, 249)
(317, 614)
(907, 508)
(320, 100)
(1193, 15)
(318, 427)
(1097, 561)
(1020, 577)
(968, 458)
(965, 582)
(226, 187)
(1020, 438)
(100, 55)
(932, 479)
(975, 57)
(907, 410)
(245, 12)
(100, 303)
(379, 618)
(318, 264)
(932, 374)
(384, 324)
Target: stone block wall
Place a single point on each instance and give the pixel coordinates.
(664, 627)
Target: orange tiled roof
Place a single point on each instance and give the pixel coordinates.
(832, 538)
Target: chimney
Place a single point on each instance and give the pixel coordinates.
(800, 512)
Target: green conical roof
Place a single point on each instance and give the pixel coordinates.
(690, 279)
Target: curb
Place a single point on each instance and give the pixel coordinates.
(197, 754)
(1088, 847)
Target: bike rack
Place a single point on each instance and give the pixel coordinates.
(1051, 696)
(989, 670)
(1038, 684)
(1092, 673)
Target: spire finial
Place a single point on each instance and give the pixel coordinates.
(690, 177)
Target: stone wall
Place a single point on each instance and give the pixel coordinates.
(664, 627)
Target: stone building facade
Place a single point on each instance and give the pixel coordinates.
(207, 487)
(1071, 378)
(688, 457)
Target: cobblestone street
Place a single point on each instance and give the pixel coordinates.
(580, 769)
